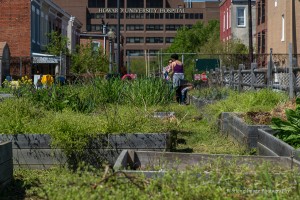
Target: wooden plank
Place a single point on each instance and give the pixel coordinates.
(139, 141)
(6, 171)
(5, 152)
(169, 160)
(27, 141)
(38, 157)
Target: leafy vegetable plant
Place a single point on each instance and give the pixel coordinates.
(289, 130)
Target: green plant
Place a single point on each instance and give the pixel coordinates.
(289, 130)
(89, 60)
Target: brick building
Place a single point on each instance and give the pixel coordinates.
(24, 25)
(284, 28)
(144, 24)
(234, 20)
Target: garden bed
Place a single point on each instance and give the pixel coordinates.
(235, 126)
(157, 163)
(35, 151)
(198, 102)
(268, 144)
(6, 164)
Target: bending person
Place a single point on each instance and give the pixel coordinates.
(178, 75)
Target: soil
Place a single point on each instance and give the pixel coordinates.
(264, 118)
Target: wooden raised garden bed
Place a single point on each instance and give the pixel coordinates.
(34, 150)
(6, 164)
(153, 163)
(268, 144)
(234, 126)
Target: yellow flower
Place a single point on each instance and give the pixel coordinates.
(47, 80)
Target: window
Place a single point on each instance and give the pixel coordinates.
(154, 4)
(154, 27)
(258, 13)
(170, 16)
(95, 16)
(134, 27)
(113, 4)
(132, 52)
(95, 45)
(282, 28)
(224, 21)
(135, 4)
(154, 15)
(154, 40)
(134, 40)
(173, 27)
(198, 15)
(241, 15)
(134, 15)
(96, 3)
(227, 19)
(263, 42)
(169, 39)
(114, 15)
(263, 11)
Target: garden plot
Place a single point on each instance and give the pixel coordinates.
(153, 163)
(35, 150)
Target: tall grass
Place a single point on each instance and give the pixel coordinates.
(87, 96)
(261, 101)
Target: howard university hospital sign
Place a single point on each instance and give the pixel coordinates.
(142, 10)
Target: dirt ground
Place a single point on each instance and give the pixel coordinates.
(265, 117)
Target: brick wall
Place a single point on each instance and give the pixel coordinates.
(15, 26)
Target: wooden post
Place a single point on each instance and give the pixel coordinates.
(217, 76)
(231, 80)
(223, 69)
(241, 66)
(253, 77)
(291, 74)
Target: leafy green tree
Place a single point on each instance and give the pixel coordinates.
(57, 44)
(89, 60)
(191, 40)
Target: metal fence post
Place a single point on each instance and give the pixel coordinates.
(253, 77)
(291, 74)
(269, 75)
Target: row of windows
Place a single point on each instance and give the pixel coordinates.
(140, 52)
(130, 4)
(261, 11)
(139, 27)
(146, 16)
(149, 40)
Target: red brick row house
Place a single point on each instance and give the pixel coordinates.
(24, 25)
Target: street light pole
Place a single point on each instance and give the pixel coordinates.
(250, 31)
(111, 37)
(118, 38)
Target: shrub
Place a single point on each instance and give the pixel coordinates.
(289, 130)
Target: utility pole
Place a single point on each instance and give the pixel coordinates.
(118, 38)
(294, 29)
(250, 31)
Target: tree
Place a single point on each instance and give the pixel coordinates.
(89, 60)
(191, 40)
(57, 44)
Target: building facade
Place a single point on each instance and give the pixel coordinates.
(234, 20)
(144, 24)
(24, 25)
(284, 28)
